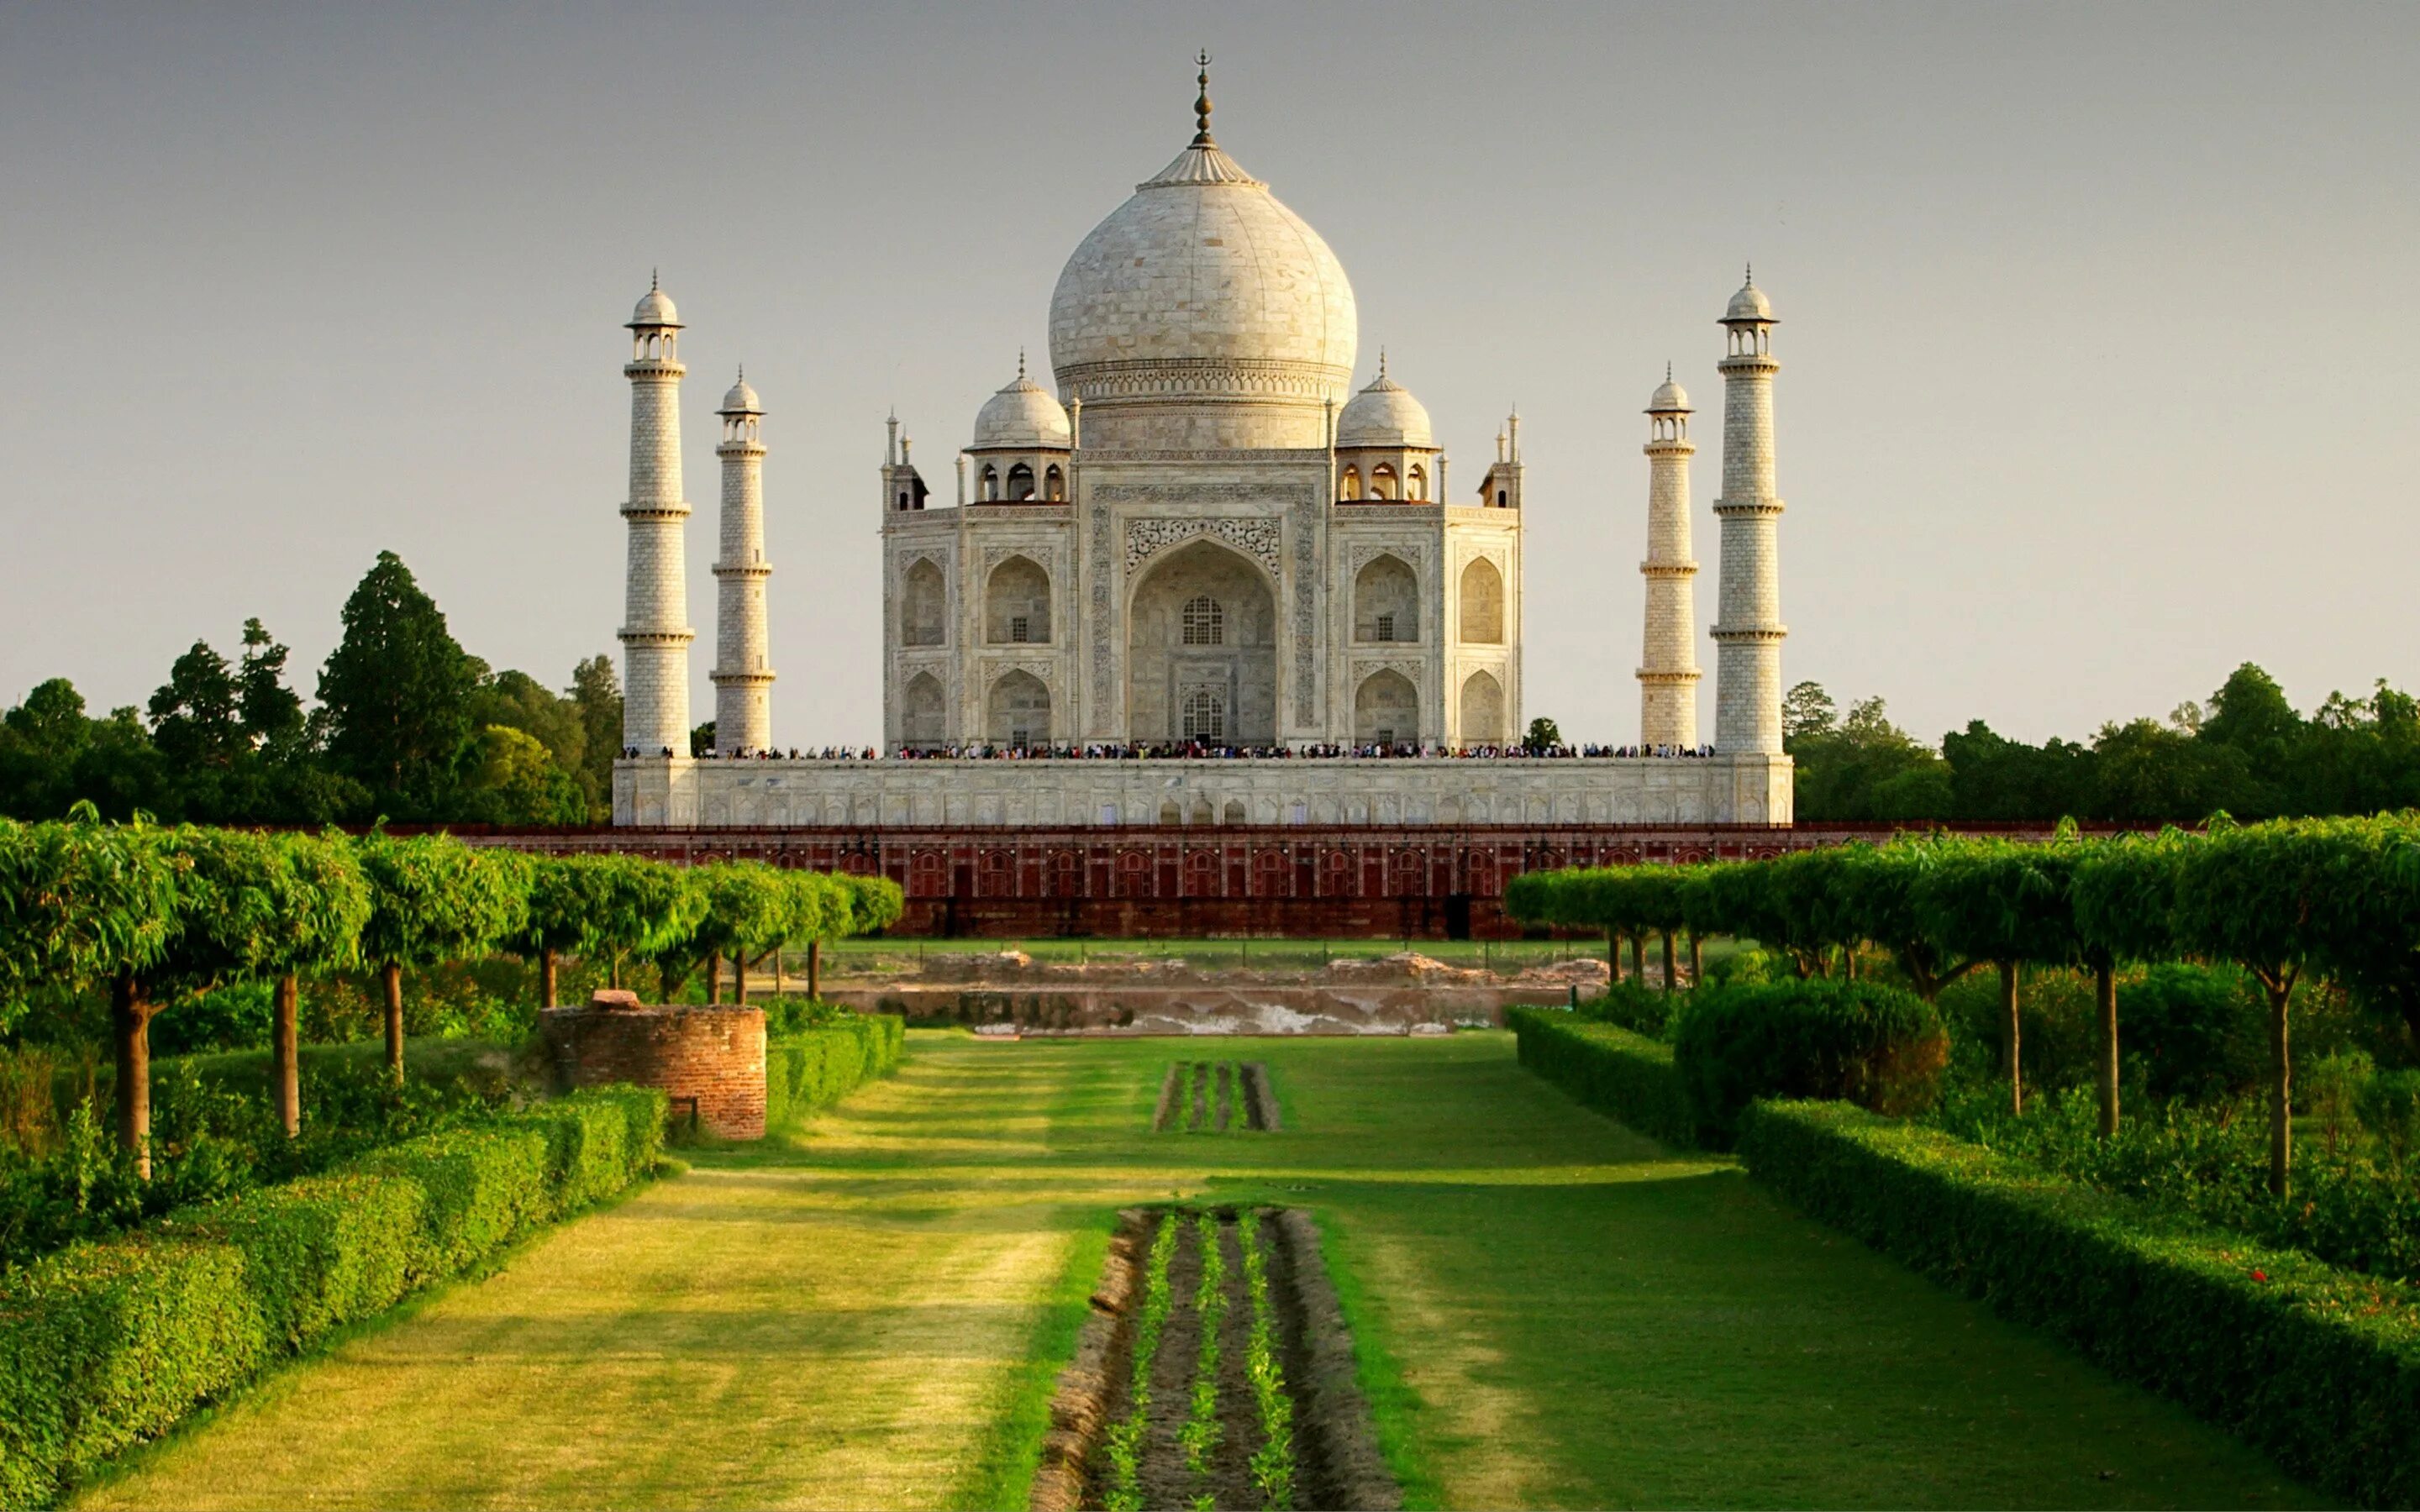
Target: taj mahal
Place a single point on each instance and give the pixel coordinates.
(1202, 577)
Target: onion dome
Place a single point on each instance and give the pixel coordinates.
(1669, 398)
(1203, 284)
(1020, 416)
(1384, 414)
(655, 310)
(741, 400)
(1749, 303)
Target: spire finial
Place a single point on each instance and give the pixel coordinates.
(1020, 364)
(743, 372)
(1382, 364)
(1751, 273)
(1667, 370)
(655, 280)
(1202, 103)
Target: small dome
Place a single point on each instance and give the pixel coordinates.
(1384, 414)
(741, 400)
(1749, 303)
(1669, 398)
(655, 310)
(1022, 415)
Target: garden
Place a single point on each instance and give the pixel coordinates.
(170, 1229)
(2154, 1094)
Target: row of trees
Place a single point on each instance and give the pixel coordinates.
(407, 724)
(151, 913)
(2282, 900)
(2247, 753)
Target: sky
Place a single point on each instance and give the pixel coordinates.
(2098, 365)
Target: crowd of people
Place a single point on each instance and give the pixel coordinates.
(1197, 751)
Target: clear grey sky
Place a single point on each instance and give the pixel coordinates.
(2099, 364)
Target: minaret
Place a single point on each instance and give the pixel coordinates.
(743, 683)
(655, 632)
(1667, 671)
(1748, 632)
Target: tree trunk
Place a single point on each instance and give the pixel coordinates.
(2011, 1038)
(614, 973)
(2104, 997)
(130, 1019)
(1849, 961)
(391, 978)
(1613, 954)
(285, 1047)
(816, 969)
(1697, 961)
(1668, 960)
(739, 977)
(1638, 957)
(2281, 1090)
(714, 979)
(546, 978)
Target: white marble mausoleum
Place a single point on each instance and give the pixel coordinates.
(1203, 536)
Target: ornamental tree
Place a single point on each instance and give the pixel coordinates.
(1875, 891)
(2276, 899)
(749, 908)
(2009, 905)
(320, 902)
(434, 898)
(83, 902)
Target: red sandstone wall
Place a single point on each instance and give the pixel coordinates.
(713, 1055)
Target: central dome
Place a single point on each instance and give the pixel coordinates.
(1203, 312)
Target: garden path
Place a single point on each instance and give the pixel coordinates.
(1554, 1312)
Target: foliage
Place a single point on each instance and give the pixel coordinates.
(1122, 1444)
(434, 898)
(1273, 1462)
(81, 902)
(105, 1345)
(807, 1071)
(1619, 1073)
(1869, 1043)
(1633, 1006)
(2305, 1362)
(1201, 1431)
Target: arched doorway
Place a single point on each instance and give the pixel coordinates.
(1386, 601)
(921, 722)
(1017, 604)
(1202, 636)
(1483, 604)
(1017, 713)
(1482, 710)
(1386, 711)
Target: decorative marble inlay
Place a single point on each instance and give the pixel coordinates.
(1258, 539)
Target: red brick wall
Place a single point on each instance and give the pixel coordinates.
(714, 1054)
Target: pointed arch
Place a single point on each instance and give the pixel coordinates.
(1483, 604)
(1016, 713)
(1387, 710)
(923, 606)
(1482, 710)
(1386, 600)
(1016, 603)
(922, 718)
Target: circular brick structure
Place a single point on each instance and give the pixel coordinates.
(709, 1059)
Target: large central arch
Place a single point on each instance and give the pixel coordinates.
(1202, 650)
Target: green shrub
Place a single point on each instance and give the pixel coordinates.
(1619, 1073)
(2312, 1365)
(809, 1072)
(1862, 1042)
(599, 1141)
(104, 1345)
(1640, 1009)
(483, 1186)
(2199, 1031)
(2388, 1104)
(320, 1251)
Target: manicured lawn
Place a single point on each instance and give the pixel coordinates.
(1554, 1311)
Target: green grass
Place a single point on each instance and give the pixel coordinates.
(1550, 1310)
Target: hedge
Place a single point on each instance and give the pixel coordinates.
(808, 1071)
(2316, 1366)
(107, 1344)
(1869, 1043)
(1624, 1075)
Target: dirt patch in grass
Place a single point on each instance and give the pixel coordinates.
(1214, 1097)
(1198, 1424)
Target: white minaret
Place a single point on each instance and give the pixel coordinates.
(1668, 670)
(1748, 632)
(743, 683)
(654, 626)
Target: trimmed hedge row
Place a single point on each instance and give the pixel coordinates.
(1624, 1075)
(2316, 1366)
(808, 1071)
(104, 1345)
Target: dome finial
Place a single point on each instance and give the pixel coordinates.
(1020, 364)
(1382, 364)
(1667, 370)
(1202, 103)
(655, 280)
